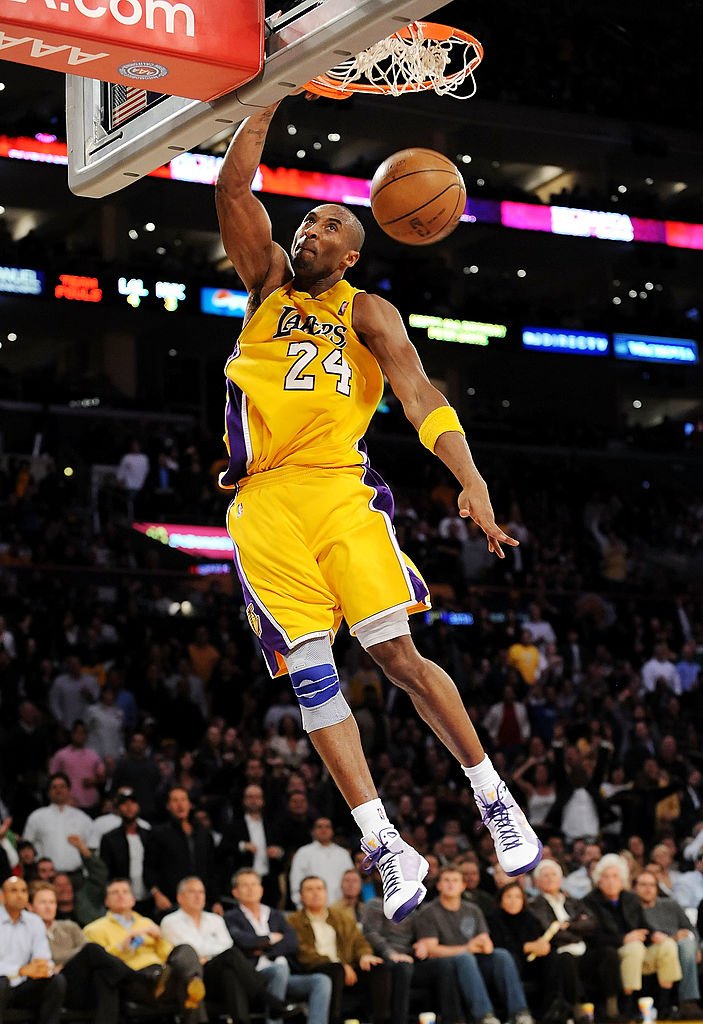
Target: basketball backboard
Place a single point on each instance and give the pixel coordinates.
(106, 152)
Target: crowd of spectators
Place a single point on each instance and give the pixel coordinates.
(142, 740)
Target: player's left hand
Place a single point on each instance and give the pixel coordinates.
(474, 503)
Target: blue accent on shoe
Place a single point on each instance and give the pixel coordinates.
(528, 867)
(409, 905)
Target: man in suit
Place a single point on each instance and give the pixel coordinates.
(178, 849)
(265, 936)
(122, 849)
(253, 841)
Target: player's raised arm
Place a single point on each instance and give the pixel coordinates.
(380, 326)
(244, 223)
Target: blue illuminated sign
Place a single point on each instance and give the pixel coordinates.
(651, 349)
(223, 302)
(582, 343)
(21, 281)
(450, 618)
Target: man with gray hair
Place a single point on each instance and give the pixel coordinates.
(623, 927)
(597, 969)
(228, 975)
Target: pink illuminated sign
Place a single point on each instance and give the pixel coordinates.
(199, 541)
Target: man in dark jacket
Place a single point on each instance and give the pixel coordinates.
(598, 967)
(265, 936)
(122, 849)
(253, 841)
(622, 926)
(176, 850)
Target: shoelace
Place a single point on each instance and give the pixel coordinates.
(390, 872)
(498, 814)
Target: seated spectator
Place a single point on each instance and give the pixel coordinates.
(228, 975)
(395, 943)
(83, 766)
(138, 770)
(178, 849)
(254, 841)
(471, 873)
(452, 927)
(27, 977)
(80, 895)
(94, 978)
(105, 723)
(137, 941)
(72, 693)
(666, 917)
(598, 967)
(662, 856)
(688, 887)
(514, 927)
(122, 849)
(622, 925)
(290, 744)
(578, 883)
(539, 789)
(324, 858)
(268, 940)
(350, 902)
(48, 828)
(329, 942)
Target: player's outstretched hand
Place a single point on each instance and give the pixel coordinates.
(474, 503)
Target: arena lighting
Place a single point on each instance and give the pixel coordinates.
(583, 343)
(652, 349)
(171, 292)
(203, 168)
(463, 332)
(21, 281)
(223, 302)
(211, 569)
(450, 618)
(78, 288)
(199, 541)
(133, 289)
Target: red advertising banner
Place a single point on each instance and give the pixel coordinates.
(193, 48)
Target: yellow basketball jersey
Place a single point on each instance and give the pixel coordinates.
(301, 387)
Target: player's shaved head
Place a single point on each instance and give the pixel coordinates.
(349, 219)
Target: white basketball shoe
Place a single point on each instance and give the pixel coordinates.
(401, 868)
(518, 848)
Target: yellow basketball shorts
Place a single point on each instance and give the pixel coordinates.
(313, 546)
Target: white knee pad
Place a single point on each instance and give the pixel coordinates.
(386, 627)
(316, 683)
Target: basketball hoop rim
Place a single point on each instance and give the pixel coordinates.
(326, 86)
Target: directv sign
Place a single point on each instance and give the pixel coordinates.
(650, 349)
(223, 302)
(21, 281)
(582, 343)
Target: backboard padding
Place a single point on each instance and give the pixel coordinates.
(306, 41)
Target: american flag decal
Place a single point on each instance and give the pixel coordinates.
(126, 102)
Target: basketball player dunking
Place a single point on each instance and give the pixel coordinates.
(311, 521)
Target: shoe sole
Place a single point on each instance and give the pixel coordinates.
(407, 908)
(528, 867)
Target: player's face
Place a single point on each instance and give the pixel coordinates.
(323, 243)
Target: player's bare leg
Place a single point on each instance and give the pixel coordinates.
(340, 748)
(437, 701)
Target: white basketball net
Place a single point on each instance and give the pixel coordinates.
(401, 64)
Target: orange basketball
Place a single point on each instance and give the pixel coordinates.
(417, 196)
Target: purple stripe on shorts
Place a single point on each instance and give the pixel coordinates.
(383, 499)
(235, 436)
(419, 589)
